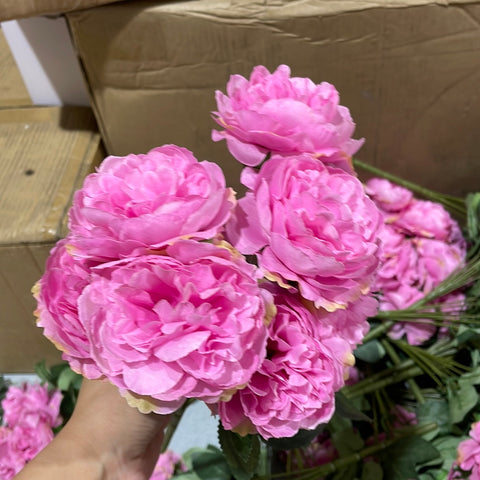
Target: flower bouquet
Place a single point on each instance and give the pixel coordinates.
(174, 290)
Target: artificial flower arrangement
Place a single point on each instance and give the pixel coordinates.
(175, 291)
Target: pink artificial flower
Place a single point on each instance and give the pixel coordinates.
(388, 196)
(185, 324)
(11, 461)
(57, 293)
(351, 323)
(28, 441)
(21, 441)
(294, 387)
(166, 465)
(421, 246)
(403, 417)
(437, 260)
(30, 405)
(139, 203)
(309, 224)
(469, 453)
(319, 452)
(426, 219)
(282, 114)
(398, 260)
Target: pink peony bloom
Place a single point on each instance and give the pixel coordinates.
(185, 324)
(469, 453)
(166, 465)
(388, 196)
(11, 461)
(421, 246)
(137, 203)
(309, 224)
(27, 441)
(282, 114)
(426, 219)
(351, 323)
(57, 294)
(294, 387)
(30, 405)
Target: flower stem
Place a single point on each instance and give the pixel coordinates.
(396, 360)
(454, 204)
(340, 463)
(172, 426)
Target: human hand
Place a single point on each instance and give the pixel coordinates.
(104, 439)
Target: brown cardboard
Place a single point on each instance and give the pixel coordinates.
(12, 88)
(46, 153)
(14, 9)
(408, 70)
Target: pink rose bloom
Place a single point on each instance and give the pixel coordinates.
(421, 245)
(57, 294)
(387, 195)
(166, 465)
(415, 332)
(282, 114)
(398, 260)
(469, 453)
(294, 387)
(403, 417)
(20, 444)
(11, 461)
(320, 452)
(437, 260)
(185, 324)
(137, 203)
(31, 404)
(351, 323)
(28, 441)
(309, 224)
(426, 219)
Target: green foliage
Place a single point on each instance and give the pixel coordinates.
(241, 453)
(370, 352)
(402, 459)
(205, 464)
(62, 377)
(4, 384)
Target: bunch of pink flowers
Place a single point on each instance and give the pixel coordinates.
(30, 413)
(152, 290)
(421, 246)
(468, 458)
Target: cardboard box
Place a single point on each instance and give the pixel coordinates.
(408, 70)
(46, 153)
(13, 9)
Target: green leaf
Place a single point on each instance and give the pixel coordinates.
(434, 411)
(241, 453)
(345, 408)
(372, 471)
(447, 446)
(347, 441)
(43, 372)
(349, 472)
(473, 216)
(370, 352)
(67, 379)
(210, 464)
(462, 397)
(401, 459)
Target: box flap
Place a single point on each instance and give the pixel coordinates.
(14, 9)
(409, 75)
(45, 154)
